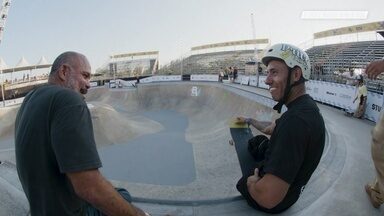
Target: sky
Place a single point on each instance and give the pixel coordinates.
(99, 28)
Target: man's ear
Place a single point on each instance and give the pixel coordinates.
(63, 72)
(297, 73)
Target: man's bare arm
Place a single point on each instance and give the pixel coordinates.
(91, 186)
(263, 126)
(267, 191)
(375, 68)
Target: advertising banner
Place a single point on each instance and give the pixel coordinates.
(253, 81)
(374, 26)
(146, 80)
(262, 82)
(166, 78)
(374, 105)
(244, 80)
(342, 96)
(204, 77)
(122, 83)
(112, 84)
(335, 94)
(232, 43)
(93, 84)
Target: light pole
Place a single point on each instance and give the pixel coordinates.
(2, 86)
(181, 67)
(114, 72)
(255, 54)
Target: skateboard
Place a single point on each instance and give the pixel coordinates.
(240, 134)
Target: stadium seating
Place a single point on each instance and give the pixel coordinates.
(210, 63)
(345, 55)
(328, 61)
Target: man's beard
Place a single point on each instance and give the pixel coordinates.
(72, 85)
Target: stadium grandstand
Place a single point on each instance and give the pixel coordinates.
(129, 65)
(353, 48)
(331, 59)
(332, 52)
(211, 58)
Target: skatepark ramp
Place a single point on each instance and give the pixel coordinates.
(167, 143)
(159, 136)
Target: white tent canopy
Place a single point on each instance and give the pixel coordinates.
(22, 63)
(43, 61)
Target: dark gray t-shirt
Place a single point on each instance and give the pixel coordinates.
(295, 147)
(53, 136)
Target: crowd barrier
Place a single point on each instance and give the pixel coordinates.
(335, 94)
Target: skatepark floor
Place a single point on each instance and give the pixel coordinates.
(203, 183)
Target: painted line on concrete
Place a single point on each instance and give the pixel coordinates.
(187, 202)
(7, 150)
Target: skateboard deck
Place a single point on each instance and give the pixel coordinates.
(241, 133)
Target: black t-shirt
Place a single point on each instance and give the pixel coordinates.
(295, 147)
(53, 136)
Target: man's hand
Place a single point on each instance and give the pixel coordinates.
(241, 120)
(253, 179)
(92, 187)
(269, 129)
(262, 126)
(375, 68)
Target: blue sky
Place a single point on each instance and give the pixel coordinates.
(97, 28)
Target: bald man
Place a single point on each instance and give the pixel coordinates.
(56, 156)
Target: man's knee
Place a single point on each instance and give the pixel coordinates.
(257, 146)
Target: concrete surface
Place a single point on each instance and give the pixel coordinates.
(119, 116)
(165, 156)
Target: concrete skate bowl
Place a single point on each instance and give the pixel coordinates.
(168, 144)
(12, 198)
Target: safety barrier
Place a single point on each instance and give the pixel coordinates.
(334, 94)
